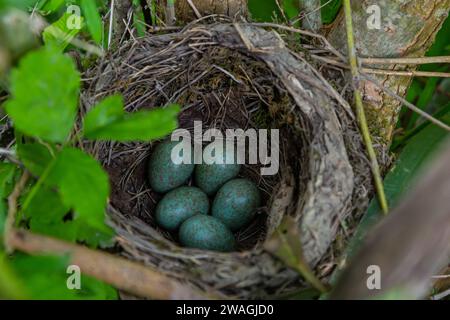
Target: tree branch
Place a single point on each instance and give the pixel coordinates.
(123, 274)
(12, 209)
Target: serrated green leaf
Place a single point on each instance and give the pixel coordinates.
(58, 34)
(82, 184)
(93, 19)
(44, 91)
(71, 181)
(108, 111)
(46, 207)
(35, 156)
(108, 121)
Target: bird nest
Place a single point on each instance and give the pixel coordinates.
(236, 76)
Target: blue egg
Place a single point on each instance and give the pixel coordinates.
(163, 173)
(210, 177)
(236, 202)
(180, 204)
(206, 232)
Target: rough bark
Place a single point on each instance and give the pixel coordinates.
(231, 8)
(408, 29)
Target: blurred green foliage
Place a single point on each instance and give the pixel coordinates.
(429, 94)
(45, 277)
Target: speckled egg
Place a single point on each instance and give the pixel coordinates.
(236, 202)
(210, 177)
(163, 174)
(180, 204)
(206, 232)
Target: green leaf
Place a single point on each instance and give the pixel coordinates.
(82, 184)
(36, 157)
(58, 34)
(291, 8)
(60, 229)
(108, 111)
(139, 19)
(10, 285)
(45, 95)
(93, 19)
(424, 99)
(46, 207)
(20, 4)
(70, 181)
(108, 121)
(46, 278)
(330, 10)
(263, 10)
(51, 5)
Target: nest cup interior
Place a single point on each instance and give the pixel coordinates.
(223, 89)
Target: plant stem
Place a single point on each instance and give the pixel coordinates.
(12, 209)
(360, 115)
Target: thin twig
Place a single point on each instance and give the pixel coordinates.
(407, 103)
(7, 152)
(194, 8)
(383, 71)
(281, 11)
(12, 209)
(423, 60)
(441, 295)
(360, 110)
(111, 23)
(406, 73)
(329, 88)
